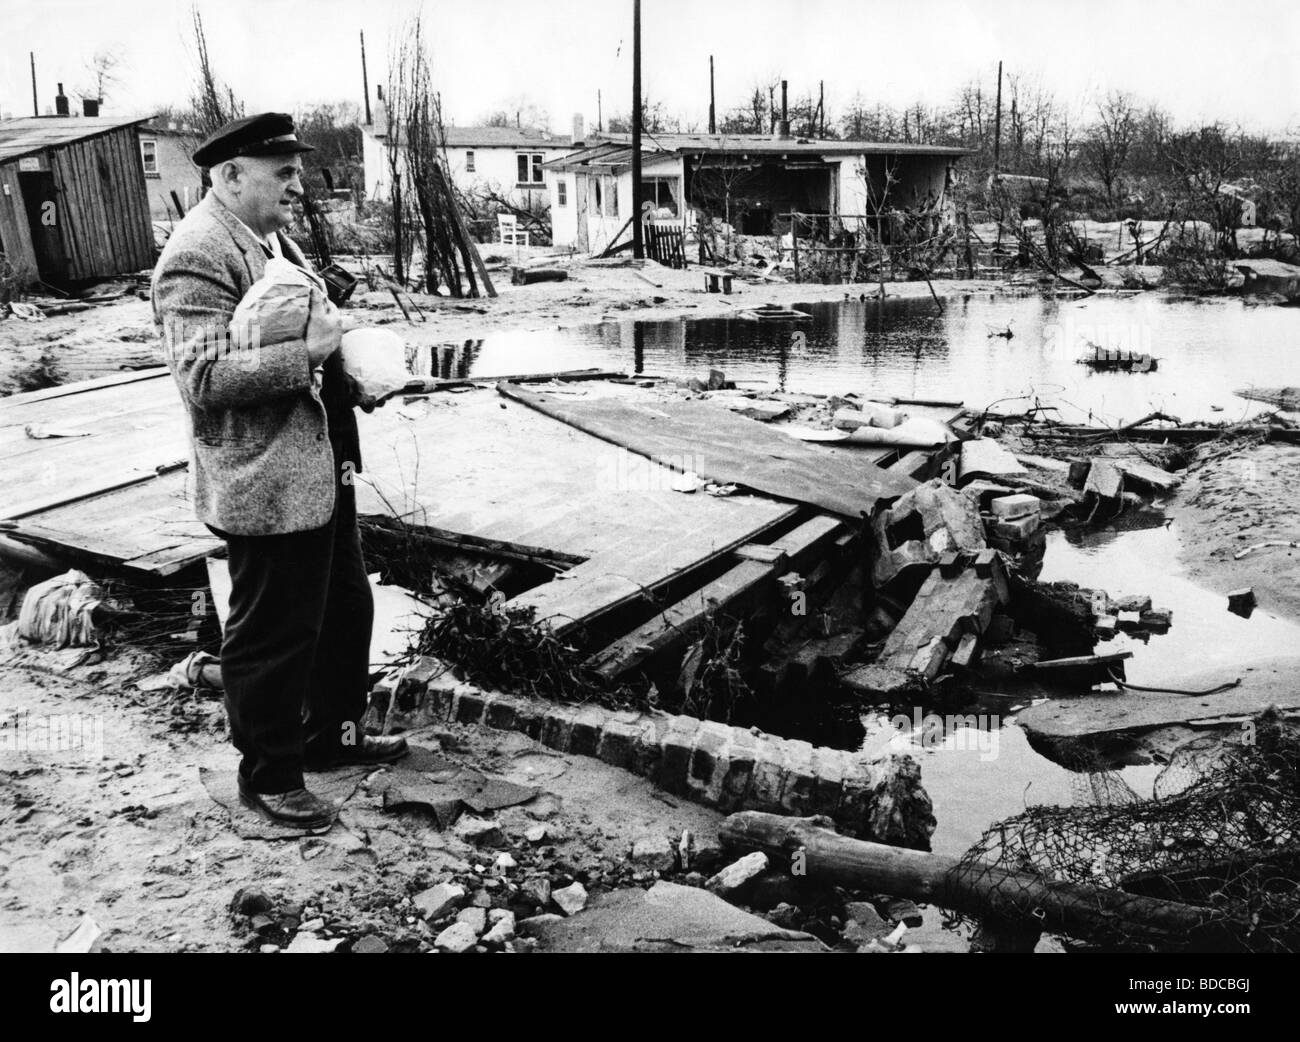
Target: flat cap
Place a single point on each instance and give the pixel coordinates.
(266, 134)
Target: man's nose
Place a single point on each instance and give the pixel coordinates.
(295, 185)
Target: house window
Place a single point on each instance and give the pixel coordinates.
(529, 166)
(469, 161)
(561, 192)
(149, 154)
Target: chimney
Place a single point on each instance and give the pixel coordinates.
(783, 127)
(90, 106)
(61, 103)
(579, 131)
(379, 92)
(518, 124)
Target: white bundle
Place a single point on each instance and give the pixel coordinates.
(60, 611)
(278, 305)
(376, 361)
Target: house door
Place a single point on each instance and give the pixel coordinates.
(581, 189)
(44, 219)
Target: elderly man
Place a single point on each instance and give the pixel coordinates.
(274, 445)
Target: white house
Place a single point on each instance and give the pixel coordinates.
(508, 161)
(750, 181)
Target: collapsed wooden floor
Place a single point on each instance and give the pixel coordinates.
(98, 477)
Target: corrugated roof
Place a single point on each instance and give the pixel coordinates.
(21, 137)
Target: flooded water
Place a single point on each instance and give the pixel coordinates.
(907, 349)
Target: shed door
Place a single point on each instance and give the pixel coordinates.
(43, 219)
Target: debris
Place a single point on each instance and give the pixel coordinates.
(306, 943)
(370, 945)
(920, 526)
(502, 931)
(475, 918)
(1013, 507)
(536, 834)
(1242, 602)
(438, 900)
(570, 899)
(736, 876)
(904, 912)
(1293, 545)
(39, 431)
(537, 890)
(456, 939)
(60, 611)
(869, 414)
(83, 939)
(520, 276)
(653, 853)
(1104, 479)
(986, 458)
(758, 408)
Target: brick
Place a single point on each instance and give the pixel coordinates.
(587, 722)
(675, 762)
(557, 728)
(648, 749)
(1009, 508)
(769, 775)
(469, 706)
(739, 771)
(828, 778)
(502, 713)
(1019, 528)
(709, 758)
(797, 791)
(617, 746)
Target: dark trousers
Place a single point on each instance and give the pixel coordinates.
(295, 657)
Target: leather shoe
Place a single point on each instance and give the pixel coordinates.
(297, 808)
(372, 751)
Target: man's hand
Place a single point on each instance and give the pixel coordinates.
(324, 331)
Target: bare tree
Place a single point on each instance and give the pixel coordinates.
(1204, 161)
(104, 75)
(212, 102)
(1110, 139)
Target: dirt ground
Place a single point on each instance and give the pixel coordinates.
(1231, 503)
(133, 839)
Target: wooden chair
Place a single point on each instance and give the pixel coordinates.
(508, 228)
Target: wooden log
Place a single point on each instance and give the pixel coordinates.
(983, 890)
(520, 276)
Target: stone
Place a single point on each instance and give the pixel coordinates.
(474, 918)
(313, 925)
(536, 835)
(1008, 508)
(250, 901)
(370, 945)
(504, 862)
(481, 898)
(309, 943)
(653, 852)
(570, 899)
(537, 890)
(1015, 530)
(1137, 604)
(865, 915)
(1157, 620)
(536, 923)
(737, 875)
(903, 912)
(1241, 602)
(457, 939)
(502, 931)
(438, 900)
(1104, 479)
(479, 831)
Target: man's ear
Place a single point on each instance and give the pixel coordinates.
(228, 174)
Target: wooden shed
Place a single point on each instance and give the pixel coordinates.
(73, 203)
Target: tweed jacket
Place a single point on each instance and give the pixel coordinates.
(259, 431)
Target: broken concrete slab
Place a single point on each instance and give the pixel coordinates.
(457, 939)
(1267, 683)
(920, 527)
(570, 899)
(986, 458)
(1104, 479)
(666, 918)
(439, 900)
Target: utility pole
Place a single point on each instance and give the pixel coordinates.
(821, 106)
(713, 112)
(638, 250)
(600, 118)
(365, 79)
(997, 128)
(36, 110)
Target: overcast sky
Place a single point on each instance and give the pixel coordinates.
(1201, 60)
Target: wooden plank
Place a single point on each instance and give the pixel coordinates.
(1267, 683)
(15, 233)
(82, 386)
(681, 621)
(726, 448)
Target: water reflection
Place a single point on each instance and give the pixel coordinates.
(909, 349)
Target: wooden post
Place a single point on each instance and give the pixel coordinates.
(638, 250)
(997, 128)
(36, 111)
(365, 78)
(713, 112)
